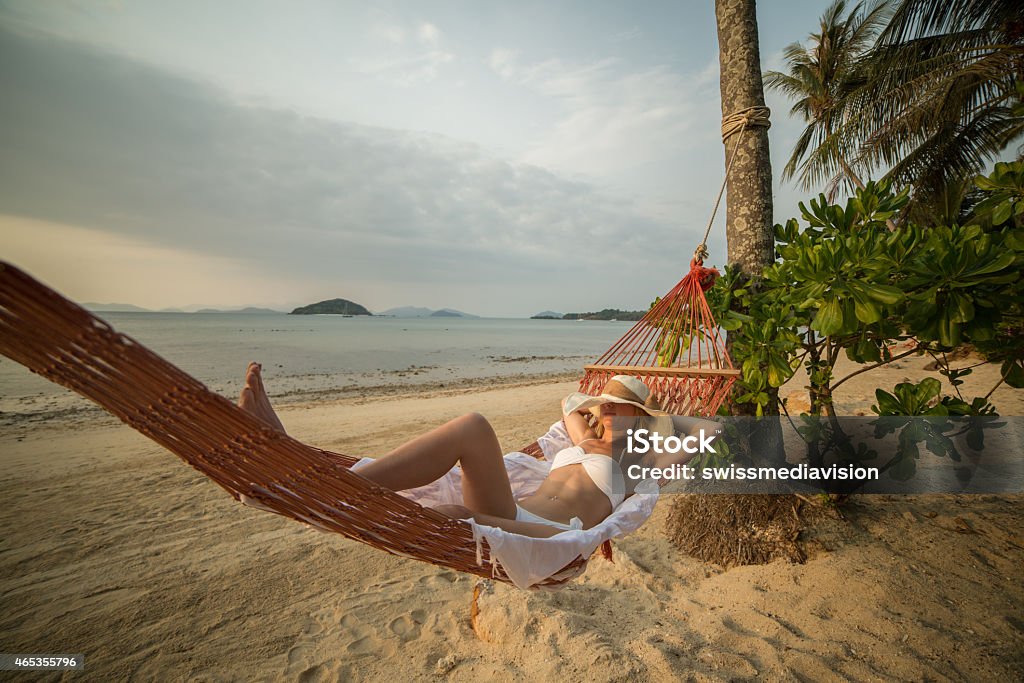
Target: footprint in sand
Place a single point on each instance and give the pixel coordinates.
(439, 579)
(366, 645)
(313, 674)
(407, 626)
(364, 641)
(297, 654)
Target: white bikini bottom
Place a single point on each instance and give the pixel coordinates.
(524, 515)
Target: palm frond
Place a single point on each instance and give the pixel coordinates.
(920, 18)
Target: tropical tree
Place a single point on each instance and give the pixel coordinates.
(931, 103)
(940, 92)
(716, 527)
(819, 76)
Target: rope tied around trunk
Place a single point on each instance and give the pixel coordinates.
(734, 123)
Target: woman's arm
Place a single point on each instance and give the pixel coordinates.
(577, 426)
(531, 529)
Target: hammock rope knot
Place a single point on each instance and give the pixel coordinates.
(745, 118)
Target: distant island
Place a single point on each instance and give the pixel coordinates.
(332, 307)
(407, 312)
(420, 312)
(606, 314)
(546, 315)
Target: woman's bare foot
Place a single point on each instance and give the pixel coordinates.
(254, 399)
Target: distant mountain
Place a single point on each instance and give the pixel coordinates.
(332, 306)
(248, 310)
(115, 308)
(408, 312)
(255, 310)
(420, 312)
(546, 315)
(451, 313)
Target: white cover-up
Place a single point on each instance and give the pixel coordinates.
(527, 560)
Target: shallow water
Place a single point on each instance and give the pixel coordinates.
(323, 355)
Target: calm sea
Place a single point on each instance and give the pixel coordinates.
(306, 356)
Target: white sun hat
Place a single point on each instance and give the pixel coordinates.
(619, 389)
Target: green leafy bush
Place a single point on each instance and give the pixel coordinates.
(847, 283)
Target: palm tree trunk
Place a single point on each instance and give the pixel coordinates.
(748, 228)
(751, 241)
(749, 208)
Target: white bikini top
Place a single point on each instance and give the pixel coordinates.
(603, 471)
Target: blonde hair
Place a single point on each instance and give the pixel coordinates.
(652, 423)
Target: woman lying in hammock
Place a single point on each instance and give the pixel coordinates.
(585, 483)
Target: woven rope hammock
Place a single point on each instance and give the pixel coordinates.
(676, 349)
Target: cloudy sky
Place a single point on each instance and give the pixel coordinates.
(500, 158)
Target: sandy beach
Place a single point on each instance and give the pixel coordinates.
(113, 548)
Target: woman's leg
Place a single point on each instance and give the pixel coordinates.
(468, 440)
(254, 398)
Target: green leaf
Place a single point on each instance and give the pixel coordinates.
(867, 312)
(778, 370)
(1001, 261)
(1002, 212)
(928, 389)
(887, 403)
(830, 318)
(985, 184)
(886, 294)
(949, 331)
(730, 324)
(1014, 372)
(963, 308)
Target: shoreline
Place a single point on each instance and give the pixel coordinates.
(854, 397)
(83, 411)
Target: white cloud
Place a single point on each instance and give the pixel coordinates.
(627, 35)
(406, 70)
(403, 63)
(503, 62)
(428, 34)
(609, 119)
(390, 33)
